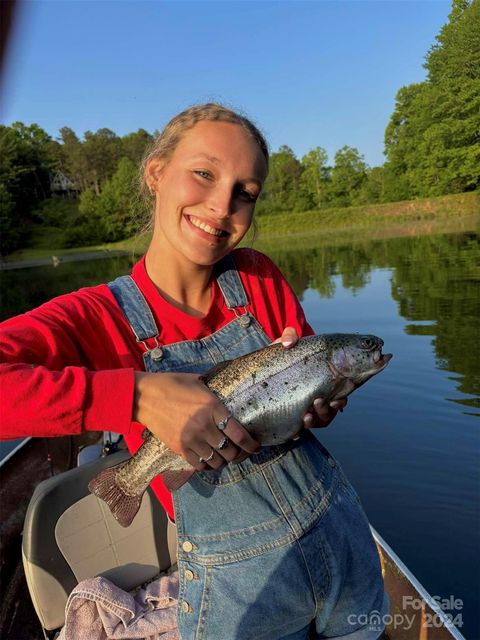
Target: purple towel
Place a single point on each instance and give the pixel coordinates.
(98, 610)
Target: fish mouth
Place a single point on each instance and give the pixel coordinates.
(381, 359)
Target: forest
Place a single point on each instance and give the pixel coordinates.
(432, 147)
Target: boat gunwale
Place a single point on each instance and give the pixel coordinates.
(417, 585)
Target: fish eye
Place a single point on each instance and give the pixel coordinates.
(367, 343)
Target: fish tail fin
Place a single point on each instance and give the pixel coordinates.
(124, 507)
(174, 479)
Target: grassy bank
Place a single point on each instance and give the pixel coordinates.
(442, 214)
(455, 213)
(451, 207)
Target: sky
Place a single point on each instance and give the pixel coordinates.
(309, 73)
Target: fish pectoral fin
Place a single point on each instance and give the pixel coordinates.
(173, 479)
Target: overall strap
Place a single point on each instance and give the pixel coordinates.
(230, 284)
(139, 315)
(135, 307)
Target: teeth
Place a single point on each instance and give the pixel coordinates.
(205, 227)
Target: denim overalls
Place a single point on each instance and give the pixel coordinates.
(270, 544)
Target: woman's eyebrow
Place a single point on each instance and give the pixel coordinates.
(205, 155)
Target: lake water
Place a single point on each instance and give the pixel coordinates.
(409, 440)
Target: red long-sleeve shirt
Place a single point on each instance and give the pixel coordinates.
(68, 366)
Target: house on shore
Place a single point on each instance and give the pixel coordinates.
(61, 186)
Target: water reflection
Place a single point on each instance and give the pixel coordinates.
(25, 289)
(435, 283)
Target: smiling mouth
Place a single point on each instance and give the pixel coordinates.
(196, 222)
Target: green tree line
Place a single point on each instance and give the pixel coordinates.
(432, 146)
(102, 169)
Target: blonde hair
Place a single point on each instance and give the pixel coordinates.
(167, 141)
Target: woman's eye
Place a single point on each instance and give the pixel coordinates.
(246, 195)
(203, 174)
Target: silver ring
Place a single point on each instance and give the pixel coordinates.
(209, 457)
(224, 443)
(223, 423)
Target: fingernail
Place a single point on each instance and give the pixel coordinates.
(318, 402)
(287, 343)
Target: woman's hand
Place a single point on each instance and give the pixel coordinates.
(181, 412)
(322, 412)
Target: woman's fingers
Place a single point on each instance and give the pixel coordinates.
(238, 437)
(323, 412)
(339, 405)
(204, 459)
(218, 446)
(289, 337)
(181, 412)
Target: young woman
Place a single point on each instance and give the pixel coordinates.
(275, 546)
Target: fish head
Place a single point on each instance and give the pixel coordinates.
(355, 356)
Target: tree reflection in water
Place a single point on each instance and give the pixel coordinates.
(435, 279)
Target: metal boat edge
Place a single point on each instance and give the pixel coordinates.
(419, 618)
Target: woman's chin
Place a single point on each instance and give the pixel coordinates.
(206, 256)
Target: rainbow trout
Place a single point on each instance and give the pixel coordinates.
(268, 391)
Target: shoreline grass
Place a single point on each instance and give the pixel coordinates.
(458, 212)
(452, 206)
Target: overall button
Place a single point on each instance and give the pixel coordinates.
(331, 462)
(189, 575)
(187, 546)
(156, 354)
(185, 607)
(244, 320)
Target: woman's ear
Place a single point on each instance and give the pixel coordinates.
(153, 173)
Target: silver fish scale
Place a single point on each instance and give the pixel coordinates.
(271, 409)
(259, 366)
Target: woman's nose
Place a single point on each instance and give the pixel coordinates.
(220, 202)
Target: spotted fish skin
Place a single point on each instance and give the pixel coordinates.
(268, 391)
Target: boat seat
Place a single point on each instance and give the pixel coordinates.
(70, 535)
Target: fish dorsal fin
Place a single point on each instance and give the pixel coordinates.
(214, 370)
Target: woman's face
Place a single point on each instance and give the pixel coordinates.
(206, 193)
